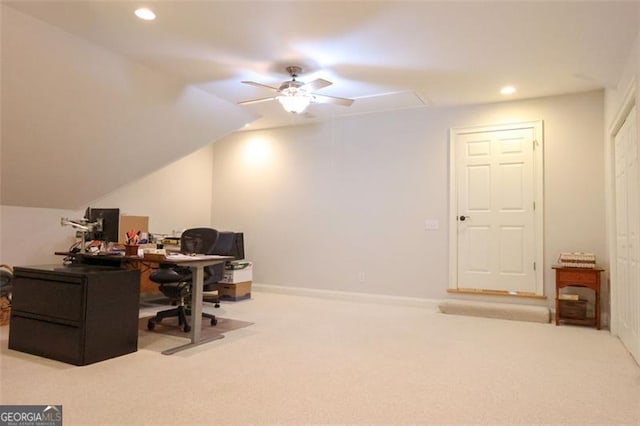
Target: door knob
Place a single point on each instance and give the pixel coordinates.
(463, 218)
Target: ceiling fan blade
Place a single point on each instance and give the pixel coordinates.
(322, 99)
(265, 86)
(256, 101)
(317, 84)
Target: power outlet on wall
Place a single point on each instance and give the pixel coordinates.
(361, 277)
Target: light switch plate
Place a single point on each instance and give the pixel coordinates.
(431, 224)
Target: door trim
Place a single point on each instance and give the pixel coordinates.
(538, 169)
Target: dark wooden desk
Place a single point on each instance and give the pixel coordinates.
(578, 277)
(197, 264)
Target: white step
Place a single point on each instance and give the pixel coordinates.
(508, 311)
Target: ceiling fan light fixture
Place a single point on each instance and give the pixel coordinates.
(295, 102)
(295, 96)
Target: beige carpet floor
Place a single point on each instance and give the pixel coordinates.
(318, 361)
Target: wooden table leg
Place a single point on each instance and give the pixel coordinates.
(557, 306)
(597, 309)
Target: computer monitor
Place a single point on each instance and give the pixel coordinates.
(237, 250)
(110, 224)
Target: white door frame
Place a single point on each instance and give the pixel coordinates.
(538, 168)
(627, 104)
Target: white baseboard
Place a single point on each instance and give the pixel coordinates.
(431, 304)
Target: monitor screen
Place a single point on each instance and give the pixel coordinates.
(110, 224)
(237, 250)
(228, 243)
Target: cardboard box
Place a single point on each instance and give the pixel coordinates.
(234, 292)
(136, 223)
(238, 271)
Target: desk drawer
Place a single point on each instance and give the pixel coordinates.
(47, 339)
(56, 299)
(576, 277)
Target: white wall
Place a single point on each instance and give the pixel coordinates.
(615, 97)
(174, 198)
(31, 235)
(321, 204)
(1, 250)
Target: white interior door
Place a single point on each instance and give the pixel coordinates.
(495, 196)
(626, 285)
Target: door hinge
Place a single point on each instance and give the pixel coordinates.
(535, 142)
(534, 266)
(534, 205)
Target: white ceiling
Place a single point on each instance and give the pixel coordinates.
(386, 55)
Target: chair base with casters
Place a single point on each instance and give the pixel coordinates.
(176, 285)
(182, 312)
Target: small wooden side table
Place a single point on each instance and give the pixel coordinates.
(578, 277)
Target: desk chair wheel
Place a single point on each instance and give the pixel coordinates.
(151, 324)
(186, 328)
(214, 321)
(217, 305)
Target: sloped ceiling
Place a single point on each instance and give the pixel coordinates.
(78, 120)
(406, 53)
(93, 98)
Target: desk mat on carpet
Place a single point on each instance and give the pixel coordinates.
(170, 326)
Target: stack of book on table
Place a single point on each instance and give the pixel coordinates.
(577, 260)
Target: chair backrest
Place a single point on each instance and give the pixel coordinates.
(198, 240)
(209, 241)
(6, 275)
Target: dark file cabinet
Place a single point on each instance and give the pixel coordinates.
(79, 314)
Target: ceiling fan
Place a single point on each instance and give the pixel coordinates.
(294, 95)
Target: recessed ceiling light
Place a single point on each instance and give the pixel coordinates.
(508, 90)
(146, 14)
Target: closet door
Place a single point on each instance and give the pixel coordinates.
(626, 284)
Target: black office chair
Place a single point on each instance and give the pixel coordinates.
(6, 288)
(175, 282)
